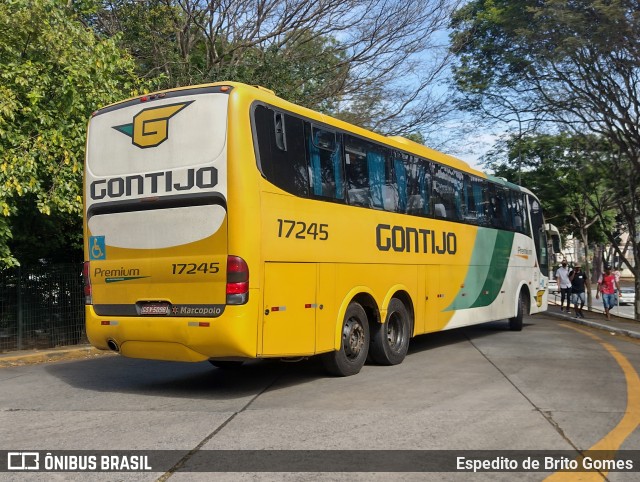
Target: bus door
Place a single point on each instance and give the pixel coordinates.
(432, 299)
(289, 321)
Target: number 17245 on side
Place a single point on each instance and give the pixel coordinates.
(289, 228)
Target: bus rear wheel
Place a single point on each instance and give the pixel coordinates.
(516, 323)
(354, 344)
(390, 340)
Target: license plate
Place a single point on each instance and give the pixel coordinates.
(154, 309)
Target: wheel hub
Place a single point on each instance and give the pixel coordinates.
(394, 331)
(353, 338)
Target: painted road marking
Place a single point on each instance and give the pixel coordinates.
(611, 442)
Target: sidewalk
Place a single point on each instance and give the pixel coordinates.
(596, 319)
(31, 357)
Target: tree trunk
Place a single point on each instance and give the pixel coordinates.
(587, 267)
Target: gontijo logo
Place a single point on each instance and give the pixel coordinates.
(150, 127)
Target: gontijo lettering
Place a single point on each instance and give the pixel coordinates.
(162, 182)
(417, 240)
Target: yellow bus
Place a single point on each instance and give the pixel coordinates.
(223, 223)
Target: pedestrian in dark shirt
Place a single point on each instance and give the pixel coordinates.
(578, 284)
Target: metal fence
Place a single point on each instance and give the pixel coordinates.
(41, 307)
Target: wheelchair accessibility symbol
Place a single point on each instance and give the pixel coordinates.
(97, 248)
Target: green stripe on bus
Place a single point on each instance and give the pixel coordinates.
(483, 280)
(497, 269)
(478, 270)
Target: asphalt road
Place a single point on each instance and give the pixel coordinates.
(554, 386)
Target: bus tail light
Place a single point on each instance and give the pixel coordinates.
(237, 281)
(86, 277)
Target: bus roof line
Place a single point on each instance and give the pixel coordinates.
(168, 94)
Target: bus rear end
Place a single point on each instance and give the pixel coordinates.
(158, 274)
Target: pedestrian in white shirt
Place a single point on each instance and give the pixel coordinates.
(564, 284)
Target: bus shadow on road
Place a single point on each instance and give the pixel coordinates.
(441, 339)
(167, 379)
(203, 381)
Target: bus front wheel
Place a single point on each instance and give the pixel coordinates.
(390, 340)
(354, 344)
(515, 323)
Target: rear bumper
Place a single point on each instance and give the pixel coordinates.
(234, 334)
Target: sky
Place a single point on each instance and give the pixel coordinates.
(480, 144)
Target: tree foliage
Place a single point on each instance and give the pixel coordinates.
(574, 64)
(54, 72)
(363, 60)
(62, 59)
(559, 169)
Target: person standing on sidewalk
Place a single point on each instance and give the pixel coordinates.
(579, 282)
(564, 285)
(608, 285)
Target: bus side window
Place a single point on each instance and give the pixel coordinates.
(375, 166)
(483, 191)
(325, 155)
(281, 140)
(525, 215)
(383, 193)
(502, 212)
(516, 219)
(418, 186)
(357, 173)
(470, 211)
(369, 175)
(477, 200)
(401, 182)
(495, 206)
(448, 192)
(508, 220)
(390, 189)
(281, 150)
(539, 234)
(521, 218)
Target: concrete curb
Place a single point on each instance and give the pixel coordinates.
(45, 356)
(601, 326)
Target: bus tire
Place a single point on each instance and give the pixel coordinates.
(226, 364)
(390, 340)
(354, 344)
(515, 323)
